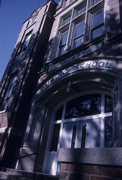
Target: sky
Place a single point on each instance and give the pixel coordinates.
(12, 15)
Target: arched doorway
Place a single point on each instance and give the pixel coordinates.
(83, 120)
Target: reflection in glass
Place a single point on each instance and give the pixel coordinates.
(84, 106)
(108, 132)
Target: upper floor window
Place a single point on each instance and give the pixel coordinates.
(83, 22)
(65, 19)
(26, 40)
(93, 2)
(78, 33)
(63, 41)
(97, 23)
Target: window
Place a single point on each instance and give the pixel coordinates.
(78, 34)
(85, 121)
(63, 41)
(93, 2)
(26, 41)
(11, 87)
(83, 23)
(80, 9)
(66, 19)
(97, 26)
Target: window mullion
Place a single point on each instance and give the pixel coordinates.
(86, 31)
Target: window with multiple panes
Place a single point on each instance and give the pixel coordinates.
(84, 22)
(84, 121)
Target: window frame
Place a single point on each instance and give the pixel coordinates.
(103, 116)
(74, 18)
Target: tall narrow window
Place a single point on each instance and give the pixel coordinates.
(63, 41)
(26, 40)
(97, 24)
(78, 34)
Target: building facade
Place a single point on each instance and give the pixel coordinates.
(61, 94)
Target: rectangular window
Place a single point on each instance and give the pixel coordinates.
(84, 22)
(80, 9)
(63, 41)
(93, 2)
(97, 24)
(78, 34)
(66, 19)
(26, 40)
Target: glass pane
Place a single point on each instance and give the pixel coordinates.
(55, 137)
(97, 18)
(67, 135)
(108, 104)
(93, 2)
(27, 40)
(80, 9)
(83, 106)
(79, 29)
(78, 42)
(108, 132)
(66, 19)
(93, 133)
(62, 50)
(97, 32)
(63, 38)
(59, 114)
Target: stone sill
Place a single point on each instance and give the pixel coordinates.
(96, 156)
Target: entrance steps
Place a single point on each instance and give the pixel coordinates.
(11, 174)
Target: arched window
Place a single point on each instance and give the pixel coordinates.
(84, 121)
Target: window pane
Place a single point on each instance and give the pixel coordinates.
(59, 113)
(27, 40)
(55, 137)
(63, 38)
(108, 132)
(78, 42)
(79, 29)
(93, 2)
(80, 9)
(66, 19)
(97, 18)
(83, 106)
(108, 104)
(97, 32)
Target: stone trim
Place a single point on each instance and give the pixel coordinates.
(99, 156)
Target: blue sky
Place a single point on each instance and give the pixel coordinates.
(12, 14)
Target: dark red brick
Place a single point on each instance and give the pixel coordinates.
(100, 178)
(112, 172)
(89, 169)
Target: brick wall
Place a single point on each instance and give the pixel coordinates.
(89, 172)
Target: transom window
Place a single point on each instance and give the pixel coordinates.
(85, 121)
(83, 23)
